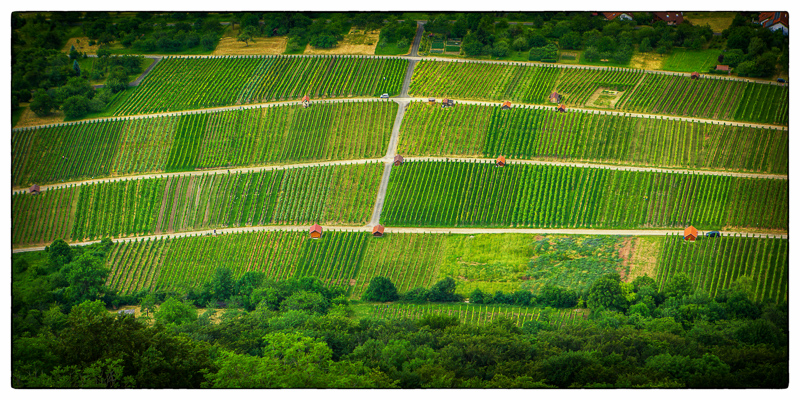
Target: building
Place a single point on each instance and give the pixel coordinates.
(377, 231)
(561, 108)
(398, 160)
(506, 105)
(622, 16)
(724, 68)
(695, 75)
(690, 233)
(670, 17)
(34, 189)
(775, 20)
(447, 103)
(555, 97)
(431, 100)
(315, 231)
(501, 162)
(306, 101)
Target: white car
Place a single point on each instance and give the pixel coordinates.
(385, 96)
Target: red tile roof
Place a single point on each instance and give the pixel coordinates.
(670, 16)
(315, 228)
(611, 15)
(305, 98)
(690, 231)
(506, 104)
(723, 68)
(378, 229)
(501, 160)
(767, 19)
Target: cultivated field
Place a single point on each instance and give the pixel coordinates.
(489, 131)
(477, 314)
(709, 97)
(229, 46)
(234, 138)
(342, 195)
(463, 194)
(177, 84)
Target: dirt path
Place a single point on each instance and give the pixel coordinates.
(417, 39)
(138, 80)
(605, 166)
(456, 231)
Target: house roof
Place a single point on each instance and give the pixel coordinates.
(398, 158)
(690, 231)
(767, 19)
(35, 187)
(507, 104)
(315, 228)
(695, 74)
(723, 68)
(562, 107)
(501, 159)
(305, 98)
(670, 16)
(553, 95)
(611, 15)
(378, 229)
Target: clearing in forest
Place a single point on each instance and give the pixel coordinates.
(355, 42)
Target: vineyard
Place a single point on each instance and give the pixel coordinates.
(185, 263)
(716, 264)
(478, 314)
(544, 196)
(177, 84)
(615, 88)
(342, 194)
(488, 131)
(269, 135)
(709, 98)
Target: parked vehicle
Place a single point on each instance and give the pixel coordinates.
(781, 80)
(713, 234)
(385, 96)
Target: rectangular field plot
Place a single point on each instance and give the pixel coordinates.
(235, 138)
(716, 264)
(186, 263)
(520, 132)
(462, 194)
(339, 194)
(191, 83)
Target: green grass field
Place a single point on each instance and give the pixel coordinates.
(684, 60)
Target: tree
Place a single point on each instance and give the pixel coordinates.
(174, 311)
(605, 293)
(42, 104)
(444, 291)
(76, 67)
(380, 289)
(500, 49)
(244, 37)
(306, 301)
(645, 45)
(591, 54)
(520, 44)
(680, 285)
(75, 107)
(86, 275)
(59, 253)
(570, 41)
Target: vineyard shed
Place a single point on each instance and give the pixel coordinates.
(447, 103)
(34, 189)
(398, 160)
(561, 108)
(555, 97)
(690, 233)
(501, 161)
(724, 68)
(506, 105)
(315, 231)
(695, 75)
(377, 231)
(306, 101)
(431, 100)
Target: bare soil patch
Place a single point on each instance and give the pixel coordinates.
(604, 98)
(642, 257)
(229, 46)
(355, 42)
(718, 21)
(647, 61)
(29, 118)
(81, 44)
(625, 252)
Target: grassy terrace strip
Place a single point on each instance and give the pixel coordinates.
(528, 133)
(716, 264)
(615, 88)
(340, 194)
(475, 313)
(463, 194)
(235, 138)
(191, 83)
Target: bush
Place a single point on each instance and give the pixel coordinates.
(416, 295)
(444, 291)
(380, 289)
(548, 53)
(75, 107)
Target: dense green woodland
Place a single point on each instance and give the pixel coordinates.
(299, 333)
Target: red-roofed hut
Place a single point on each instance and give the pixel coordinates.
(561, 108)
(398, 160)
(34, 189)
(690, 233)
(695, 75)
(501, 161)
(315, 231)
(506, 105)
(377, 231)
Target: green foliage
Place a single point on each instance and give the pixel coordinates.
(380, 289)
(174, 311)
(444, 291)
(42, 104)
(606, 293)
